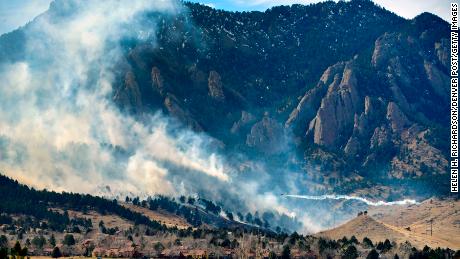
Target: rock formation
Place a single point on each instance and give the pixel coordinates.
(174, 108)
(335, 117)
(129, 94)
(157, 81)
(267, 136)
(216, 90)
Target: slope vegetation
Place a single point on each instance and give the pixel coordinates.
(406, 223)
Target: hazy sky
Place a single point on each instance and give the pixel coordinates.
(15, 13)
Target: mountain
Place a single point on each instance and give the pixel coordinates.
(383, 224)
(46, 223)
(348, 93)
(417, 218)
(351, 88)
(98, 225)
(42, 205)
(209, 115)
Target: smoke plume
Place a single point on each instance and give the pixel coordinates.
(347, 197)
(61, 130)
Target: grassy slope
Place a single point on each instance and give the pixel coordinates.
(391, 222)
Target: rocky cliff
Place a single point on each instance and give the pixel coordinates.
(388, 125)
(349, 88)
(370, 108)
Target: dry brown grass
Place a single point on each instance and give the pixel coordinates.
(445, 215)
(392, 222)
(164, 217)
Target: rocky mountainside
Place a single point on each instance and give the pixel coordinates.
(354, 90)
(43, 223)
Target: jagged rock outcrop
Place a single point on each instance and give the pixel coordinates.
(245, 120)
(443, 52)
(216, 90)
(419, 158)
(410, 65)
(174, 108)
(267, 136)
(380, 138)
(397, 119)
(384, 130)
(389, 51)
(359, 129)
(310, 102)
(353, 146)
(129, 94)
(335, 118)
(362, 128)
(384, 49)
(157, 81)
(438, 80)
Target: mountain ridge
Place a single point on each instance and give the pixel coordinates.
(370, 84)
(240, 77)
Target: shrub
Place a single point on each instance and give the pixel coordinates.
(52, 240)
(286, 254)
(373, 254)
(39, 241)
(3, 253)
(353, 240)
(16, 249)
(367, 242)
(3, 241)
(159, 247)
(350, 253)
(56, 253)
(68, 240)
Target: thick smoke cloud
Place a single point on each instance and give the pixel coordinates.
(61, 130)
(348, 197)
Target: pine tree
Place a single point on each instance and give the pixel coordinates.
(286, 252)
(350, 253)
(23, 252)
(16, 249)
(3, 253)
(56, 253)
(52, 240)
(373, 254)
(69, 240)
(3, 241)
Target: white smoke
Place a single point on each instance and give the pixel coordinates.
(59, 128)
(347, 197)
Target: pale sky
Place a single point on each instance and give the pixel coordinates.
(15, 13)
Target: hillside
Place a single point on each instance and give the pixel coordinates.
(360, 227)
(171, 129)
(444, 213)
(102, 227)
(160, 227)
(169, 219)
(406, 223)
(334, 91)
(347, 109)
